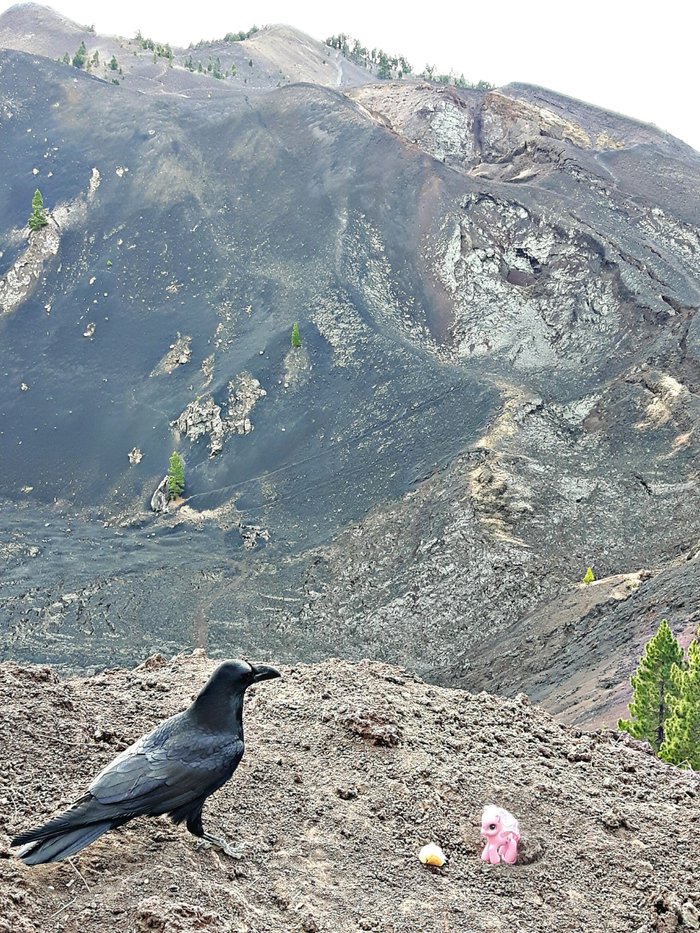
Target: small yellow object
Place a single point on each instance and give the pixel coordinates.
(432, 855)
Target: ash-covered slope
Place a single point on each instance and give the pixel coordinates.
(497, 384)
(349, 770)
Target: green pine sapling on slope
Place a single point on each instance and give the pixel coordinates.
(655, 688)
(37, 218)
(296, 337)
(176, 476)
(681, 745)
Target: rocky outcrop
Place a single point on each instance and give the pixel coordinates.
(161, 497)
(485, 132)
(22, 277)
(244, 392)
(253, 535)
(441, 120)
(505, 270)
(202, 417)
(508, 122)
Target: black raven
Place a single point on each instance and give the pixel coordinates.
(171, 770)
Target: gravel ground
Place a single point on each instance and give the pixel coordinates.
(349, 770)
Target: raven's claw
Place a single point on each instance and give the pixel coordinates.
(226, 847)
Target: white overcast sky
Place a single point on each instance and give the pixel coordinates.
(637, 58)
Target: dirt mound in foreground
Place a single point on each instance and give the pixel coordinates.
(349, 770)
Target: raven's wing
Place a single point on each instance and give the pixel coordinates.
(176, 763)
(175, 766)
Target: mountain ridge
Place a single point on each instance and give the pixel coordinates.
(497, 384)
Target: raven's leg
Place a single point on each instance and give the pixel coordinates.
(194, 824)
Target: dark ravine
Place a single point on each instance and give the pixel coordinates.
(497, 385)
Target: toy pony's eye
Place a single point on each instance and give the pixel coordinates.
(492, 825)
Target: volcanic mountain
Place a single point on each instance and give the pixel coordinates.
(497, 384)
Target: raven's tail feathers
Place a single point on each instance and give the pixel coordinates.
(67, 833)
(62, 845)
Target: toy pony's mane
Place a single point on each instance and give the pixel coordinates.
(508, 821)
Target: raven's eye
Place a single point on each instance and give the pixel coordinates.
(492, 825)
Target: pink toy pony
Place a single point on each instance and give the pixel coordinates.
(502, 833)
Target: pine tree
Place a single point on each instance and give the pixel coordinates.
(296, 337)
(80, 56)
(655, 688)
(588, 576)
(681, 745)
(37, 218)
(176, 476)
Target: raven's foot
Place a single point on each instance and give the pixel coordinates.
(237, 852)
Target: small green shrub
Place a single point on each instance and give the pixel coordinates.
(176, 476)
(37, 218)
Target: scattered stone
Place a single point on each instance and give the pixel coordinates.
(208, 369)
(158, 915)
(179, 354)
(252, 534)
(135, 455)
(370, 724)
(90, 330)
(665, 912)
(612, 820)
(690, 916)
(93, 184)
(153, 663)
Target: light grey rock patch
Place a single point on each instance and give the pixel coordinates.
(208, 369)
(159, 499)
(297, 368)
(179, 354)
(538, 294)
(19, 282)
(203, 417)
(243, 394)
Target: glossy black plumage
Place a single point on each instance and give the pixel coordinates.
(172, 770)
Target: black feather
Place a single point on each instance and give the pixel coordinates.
(171, 770)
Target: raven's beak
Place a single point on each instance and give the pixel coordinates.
(264, 672)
